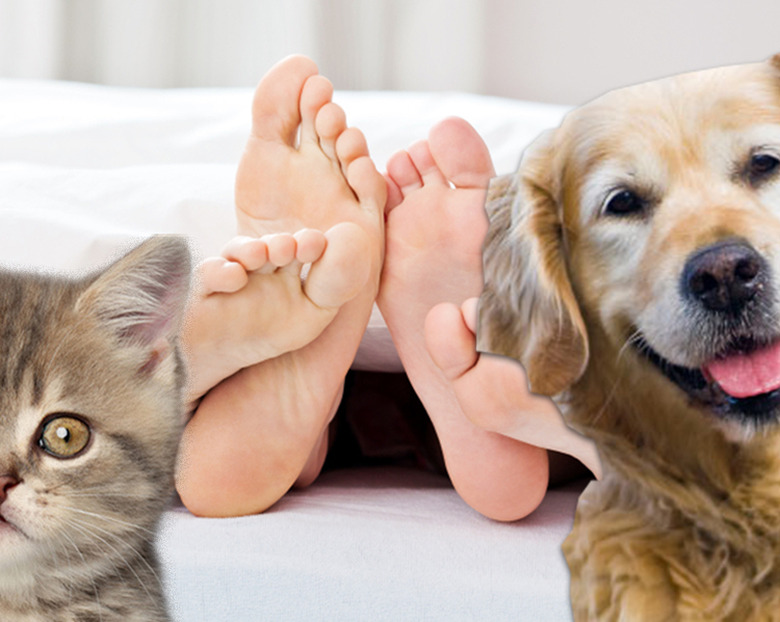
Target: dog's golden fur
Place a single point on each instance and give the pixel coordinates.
(685, 524)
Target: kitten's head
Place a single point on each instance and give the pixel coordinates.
(90, 409)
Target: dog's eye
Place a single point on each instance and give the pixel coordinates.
(623, 203)
(762, 165)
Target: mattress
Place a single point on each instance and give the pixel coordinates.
(85, 171)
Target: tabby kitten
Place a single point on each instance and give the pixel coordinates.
(91, 412)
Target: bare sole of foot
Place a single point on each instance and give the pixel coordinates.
(493, 390)
(263, 429)
(435, 228)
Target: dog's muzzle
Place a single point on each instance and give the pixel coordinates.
(727, 287)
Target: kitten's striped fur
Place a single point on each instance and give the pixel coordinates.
(77, 533)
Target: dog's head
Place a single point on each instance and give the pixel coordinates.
(647, 228)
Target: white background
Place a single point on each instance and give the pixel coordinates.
(561, 51)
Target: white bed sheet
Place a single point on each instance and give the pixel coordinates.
(86, 171)
(370, 544)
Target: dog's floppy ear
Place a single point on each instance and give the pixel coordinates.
(527, 309)
(775, 62)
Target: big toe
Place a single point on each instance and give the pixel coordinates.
(343, 270)
(276, 113)
(450, 340)
(461, 154)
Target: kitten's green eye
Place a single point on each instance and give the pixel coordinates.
(64, 436)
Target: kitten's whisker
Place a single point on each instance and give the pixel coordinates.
(91, 578)
(66, 555)
(106, 489)
(57, 487)
(100, 495)
(108, 518)
(119, 554)
(130, 546)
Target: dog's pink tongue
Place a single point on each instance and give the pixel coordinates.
(746, 375)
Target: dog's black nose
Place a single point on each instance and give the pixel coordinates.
(724, 276)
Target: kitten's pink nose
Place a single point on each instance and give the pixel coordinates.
(6, 483)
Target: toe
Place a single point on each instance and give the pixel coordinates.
(394, 194)
(420, 153)
(310, 245)
(342, 271)
(450, 343)
(275, 109)
(251, 253)
(351, 145)
(219, 275)
(330, 123)
(469, 309)
(281, 248)
(317, 92)
(367, 184)
(461, 154)
(403, 173)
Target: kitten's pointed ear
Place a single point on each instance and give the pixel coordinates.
(141, 297)
(528, 309)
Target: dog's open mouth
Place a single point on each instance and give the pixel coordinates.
(743, 383)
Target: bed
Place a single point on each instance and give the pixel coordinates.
(87, 170)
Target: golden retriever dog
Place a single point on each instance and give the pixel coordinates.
(633, 267)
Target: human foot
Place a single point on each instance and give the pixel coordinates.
(251, 303)
(493, 390)
(435, 228)
(302, 166)
(264, 428)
